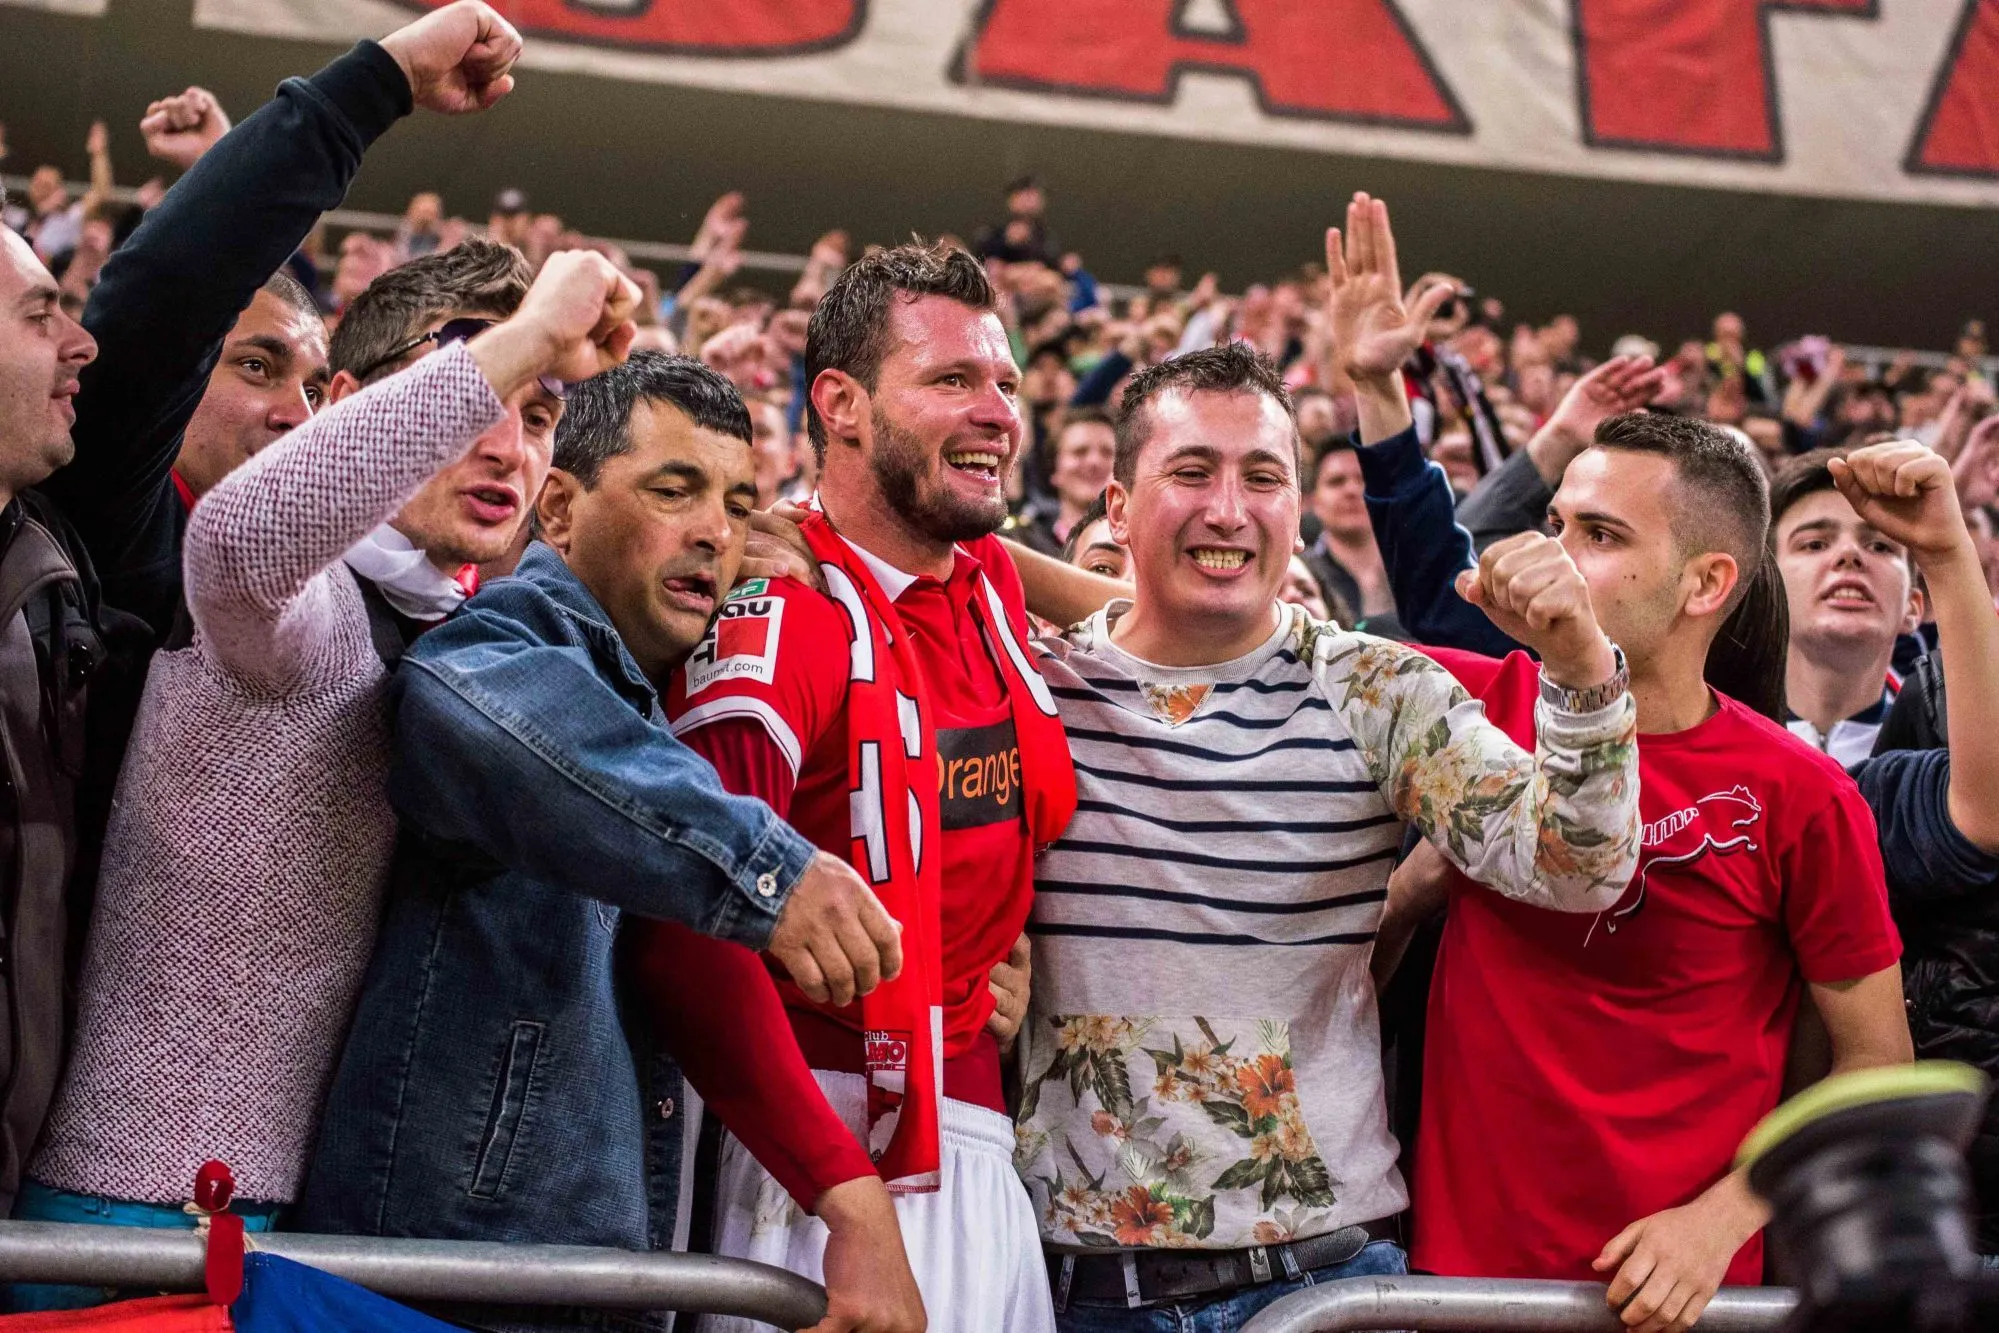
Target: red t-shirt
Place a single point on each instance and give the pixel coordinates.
(1585, 1071)
(779, 661)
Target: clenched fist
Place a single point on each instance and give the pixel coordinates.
(1529, 587)
(575, 322)
(1905, 491)
(179, 129)
(834, 936)
(458, 59)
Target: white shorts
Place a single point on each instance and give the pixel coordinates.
(973, 1244)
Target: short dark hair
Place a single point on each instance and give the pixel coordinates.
(1083, 416)
(1338, 444)
(597, 415)
(283, 288)
(849, 329)
(1019, 183)
(1099, 509)
(1231, 368)
(1796, 478)
(1726, 505)
(474, 276)
(1807, 475)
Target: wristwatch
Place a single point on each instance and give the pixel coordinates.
(1593, 698)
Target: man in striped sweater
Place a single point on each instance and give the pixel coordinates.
(1202, 1126)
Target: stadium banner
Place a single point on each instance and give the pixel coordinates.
(1894, 100)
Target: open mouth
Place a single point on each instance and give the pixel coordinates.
(691, 592)
(1222, 560)
(981, 463)
(492, 504)
(1851, 595)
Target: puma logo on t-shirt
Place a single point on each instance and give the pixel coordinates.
(1714, 823)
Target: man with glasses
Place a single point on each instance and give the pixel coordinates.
(245, 856)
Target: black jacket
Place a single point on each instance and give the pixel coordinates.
(170, 295)
(1945, 894)
(60, 648)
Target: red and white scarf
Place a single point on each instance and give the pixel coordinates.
(892, 797)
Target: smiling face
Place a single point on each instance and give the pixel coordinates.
(270, 377)
(1083, 454)
(1211, 514)
(41, 355)
(944, 428)
(660, 536)
(1850, 588)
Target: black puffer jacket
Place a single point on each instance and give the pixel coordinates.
(1945, 894)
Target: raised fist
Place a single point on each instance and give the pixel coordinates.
(458, 59)
(179, 129)
(1529, 587)
(1904, 490)
(582, 307)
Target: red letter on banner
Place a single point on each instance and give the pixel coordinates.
(1339, 59)
(1684, 76)
(1959, 134)
(698, 27)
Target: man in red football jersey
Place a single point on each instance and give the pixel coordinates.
(897, 719)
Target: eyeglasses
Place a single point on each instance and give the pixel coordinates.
(449, 332)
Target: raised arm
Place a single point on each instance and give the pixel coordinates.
(1557, 828)
(1906, 492)
(1409, 500)
(170, 294)
(256, 542)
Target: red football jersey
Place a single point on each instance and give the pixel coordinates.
(1584, 1071)
(777, 657)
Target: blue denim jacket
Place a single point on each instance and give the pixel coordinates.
(491, 1088)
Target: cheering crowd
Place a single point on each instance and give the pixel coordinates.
(1405, 794)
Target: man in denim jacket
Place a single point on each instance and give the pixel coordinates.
(491, 1088)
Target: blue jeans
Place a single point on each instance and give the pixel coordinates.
(1226, 1313)
(38, 1203)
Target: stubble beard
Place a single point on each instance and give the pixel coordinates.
(900, 473)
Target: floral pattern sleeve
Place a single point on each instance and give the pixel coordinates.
(1557, 828)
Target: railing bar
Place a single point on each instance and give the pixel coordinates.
(426, 1270)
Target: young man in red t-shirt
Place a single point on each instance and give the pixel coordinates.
(938, 789)
(1583, 1072)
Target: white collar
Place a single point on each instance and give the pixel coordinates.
(892, 581)
(405, 576)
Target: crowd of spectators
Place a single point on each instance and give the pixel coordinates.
(1484, 383)
(298, 459)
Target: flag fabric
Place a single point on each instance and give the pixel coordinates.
(279, 1296)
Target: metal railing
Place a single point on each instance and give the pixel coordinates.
(426, 1270)
(1494, 1305)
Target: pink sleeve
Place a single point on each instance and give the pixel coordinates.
(259, 545)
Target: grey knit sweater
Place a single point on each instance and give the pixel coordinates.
(243, 865)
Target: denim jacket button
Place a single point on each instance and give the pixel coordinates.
(767, 884)
(666, 1109)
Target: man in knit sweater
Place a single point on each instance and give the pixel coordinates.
(1202, 1124)
(244, 860)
